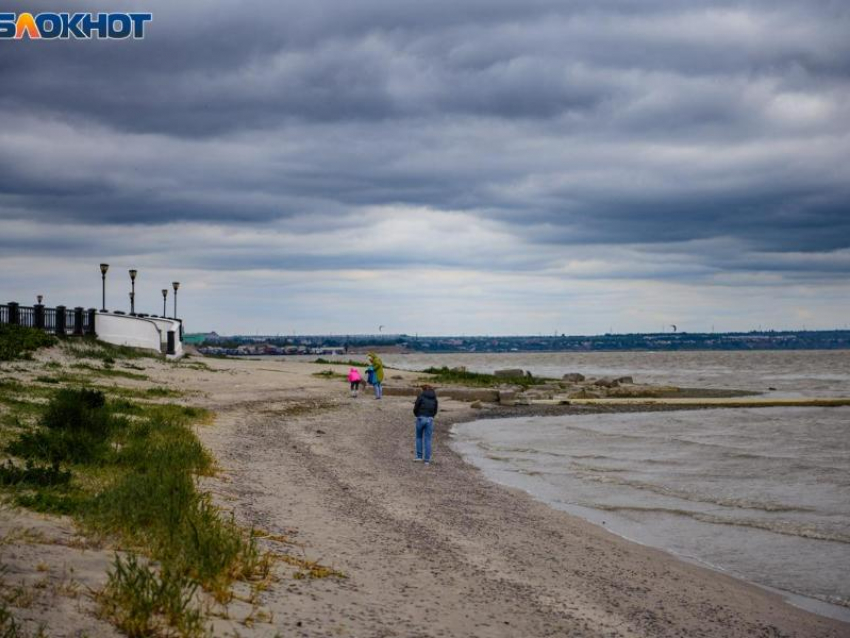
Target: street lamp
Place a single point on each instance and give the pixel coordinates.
(103, 269)
(133, 273)
(39, 297)
(176, 285)
(164, 295)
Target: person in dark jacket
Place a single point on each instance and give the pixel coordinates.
(425, 409)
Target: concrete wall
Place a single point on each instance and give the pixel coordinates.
(164, 326)
(138, 332)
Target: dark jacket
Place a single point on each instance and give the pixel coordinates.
(426, 403)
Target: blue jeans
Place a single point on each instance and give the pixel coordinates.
(424, 430)
(379, 391)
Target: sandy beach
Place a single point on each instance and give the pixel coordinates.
(413, 550)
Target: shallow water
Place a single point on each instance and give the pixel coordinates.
(791, 373)
(763, 494)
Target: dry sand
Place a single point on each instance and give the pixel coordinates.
(426, 551)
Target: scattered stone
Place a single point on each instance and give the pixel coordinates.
(628, 380)
(470, 394)
(509, 373)
(401, 391)
(606, 383)
(476, 405)
(548, 387)
(507, 397)
(573, 377)
(584, 393)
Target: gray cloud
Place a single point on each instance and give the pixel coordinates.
(619, 128)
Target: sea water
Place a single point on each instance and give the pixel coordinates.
(763, 494)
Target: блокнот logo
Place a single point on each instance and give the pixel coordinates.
(67, 26)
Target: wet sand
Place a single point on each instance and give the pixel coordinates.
(427, 551)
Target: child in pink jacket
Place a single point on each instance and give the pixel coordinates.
(354, 379)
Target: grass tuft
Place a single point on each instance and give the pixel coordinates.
(18, 342)
(330, 374)
(76, 428)
(446, 375)
(350, 363)
(142, 602)
(128, 470)
(91, 348)
(32, 474)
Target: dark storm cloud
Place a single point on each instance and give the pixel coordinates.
(569, 123)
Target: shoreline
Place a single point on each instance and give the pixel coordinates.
(801, 601)
(568, 575)
(414, 551)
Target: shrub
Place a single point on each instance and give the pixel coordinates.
(31, 474)
(462, 377)
(76, 428)
(18, 342)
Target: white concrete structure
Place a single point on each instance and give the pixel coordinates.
(150, 333)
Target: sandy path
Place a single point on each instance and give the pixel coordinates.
(440, 551)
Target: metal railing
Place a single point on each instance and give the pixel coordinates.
(61, 321)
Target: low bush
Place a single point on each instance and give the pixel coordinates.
(330, 374)
(76, 428)
(478, 379)
(350, 363)
(32, 474)
(133, 478)
(17, 342)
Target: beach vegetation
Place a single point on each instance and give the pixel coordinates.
(331, 374)
(127, 470)
(33, 474)
(9, 627)
(349, 363)
(92, 348)
(108, 371)
(452, 376)
(142, 601)
(309, 568)
(75, 428)
(19, 342)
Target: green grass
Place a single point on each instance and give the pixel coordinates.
(110, 372)
(33, 474)
(91, 348)
(17, 342)
(350, 363)
(330, 374)
(139, 600)
(76, 427)
(9, 627)
(127, 470)
(448, 376)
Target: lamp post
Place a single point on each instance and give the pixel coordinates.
(176, 285)
(39, 297)
(164, 295)
(133, 273)
(103, 269)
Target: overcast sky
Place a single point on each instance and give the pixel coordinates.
(448, 167)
